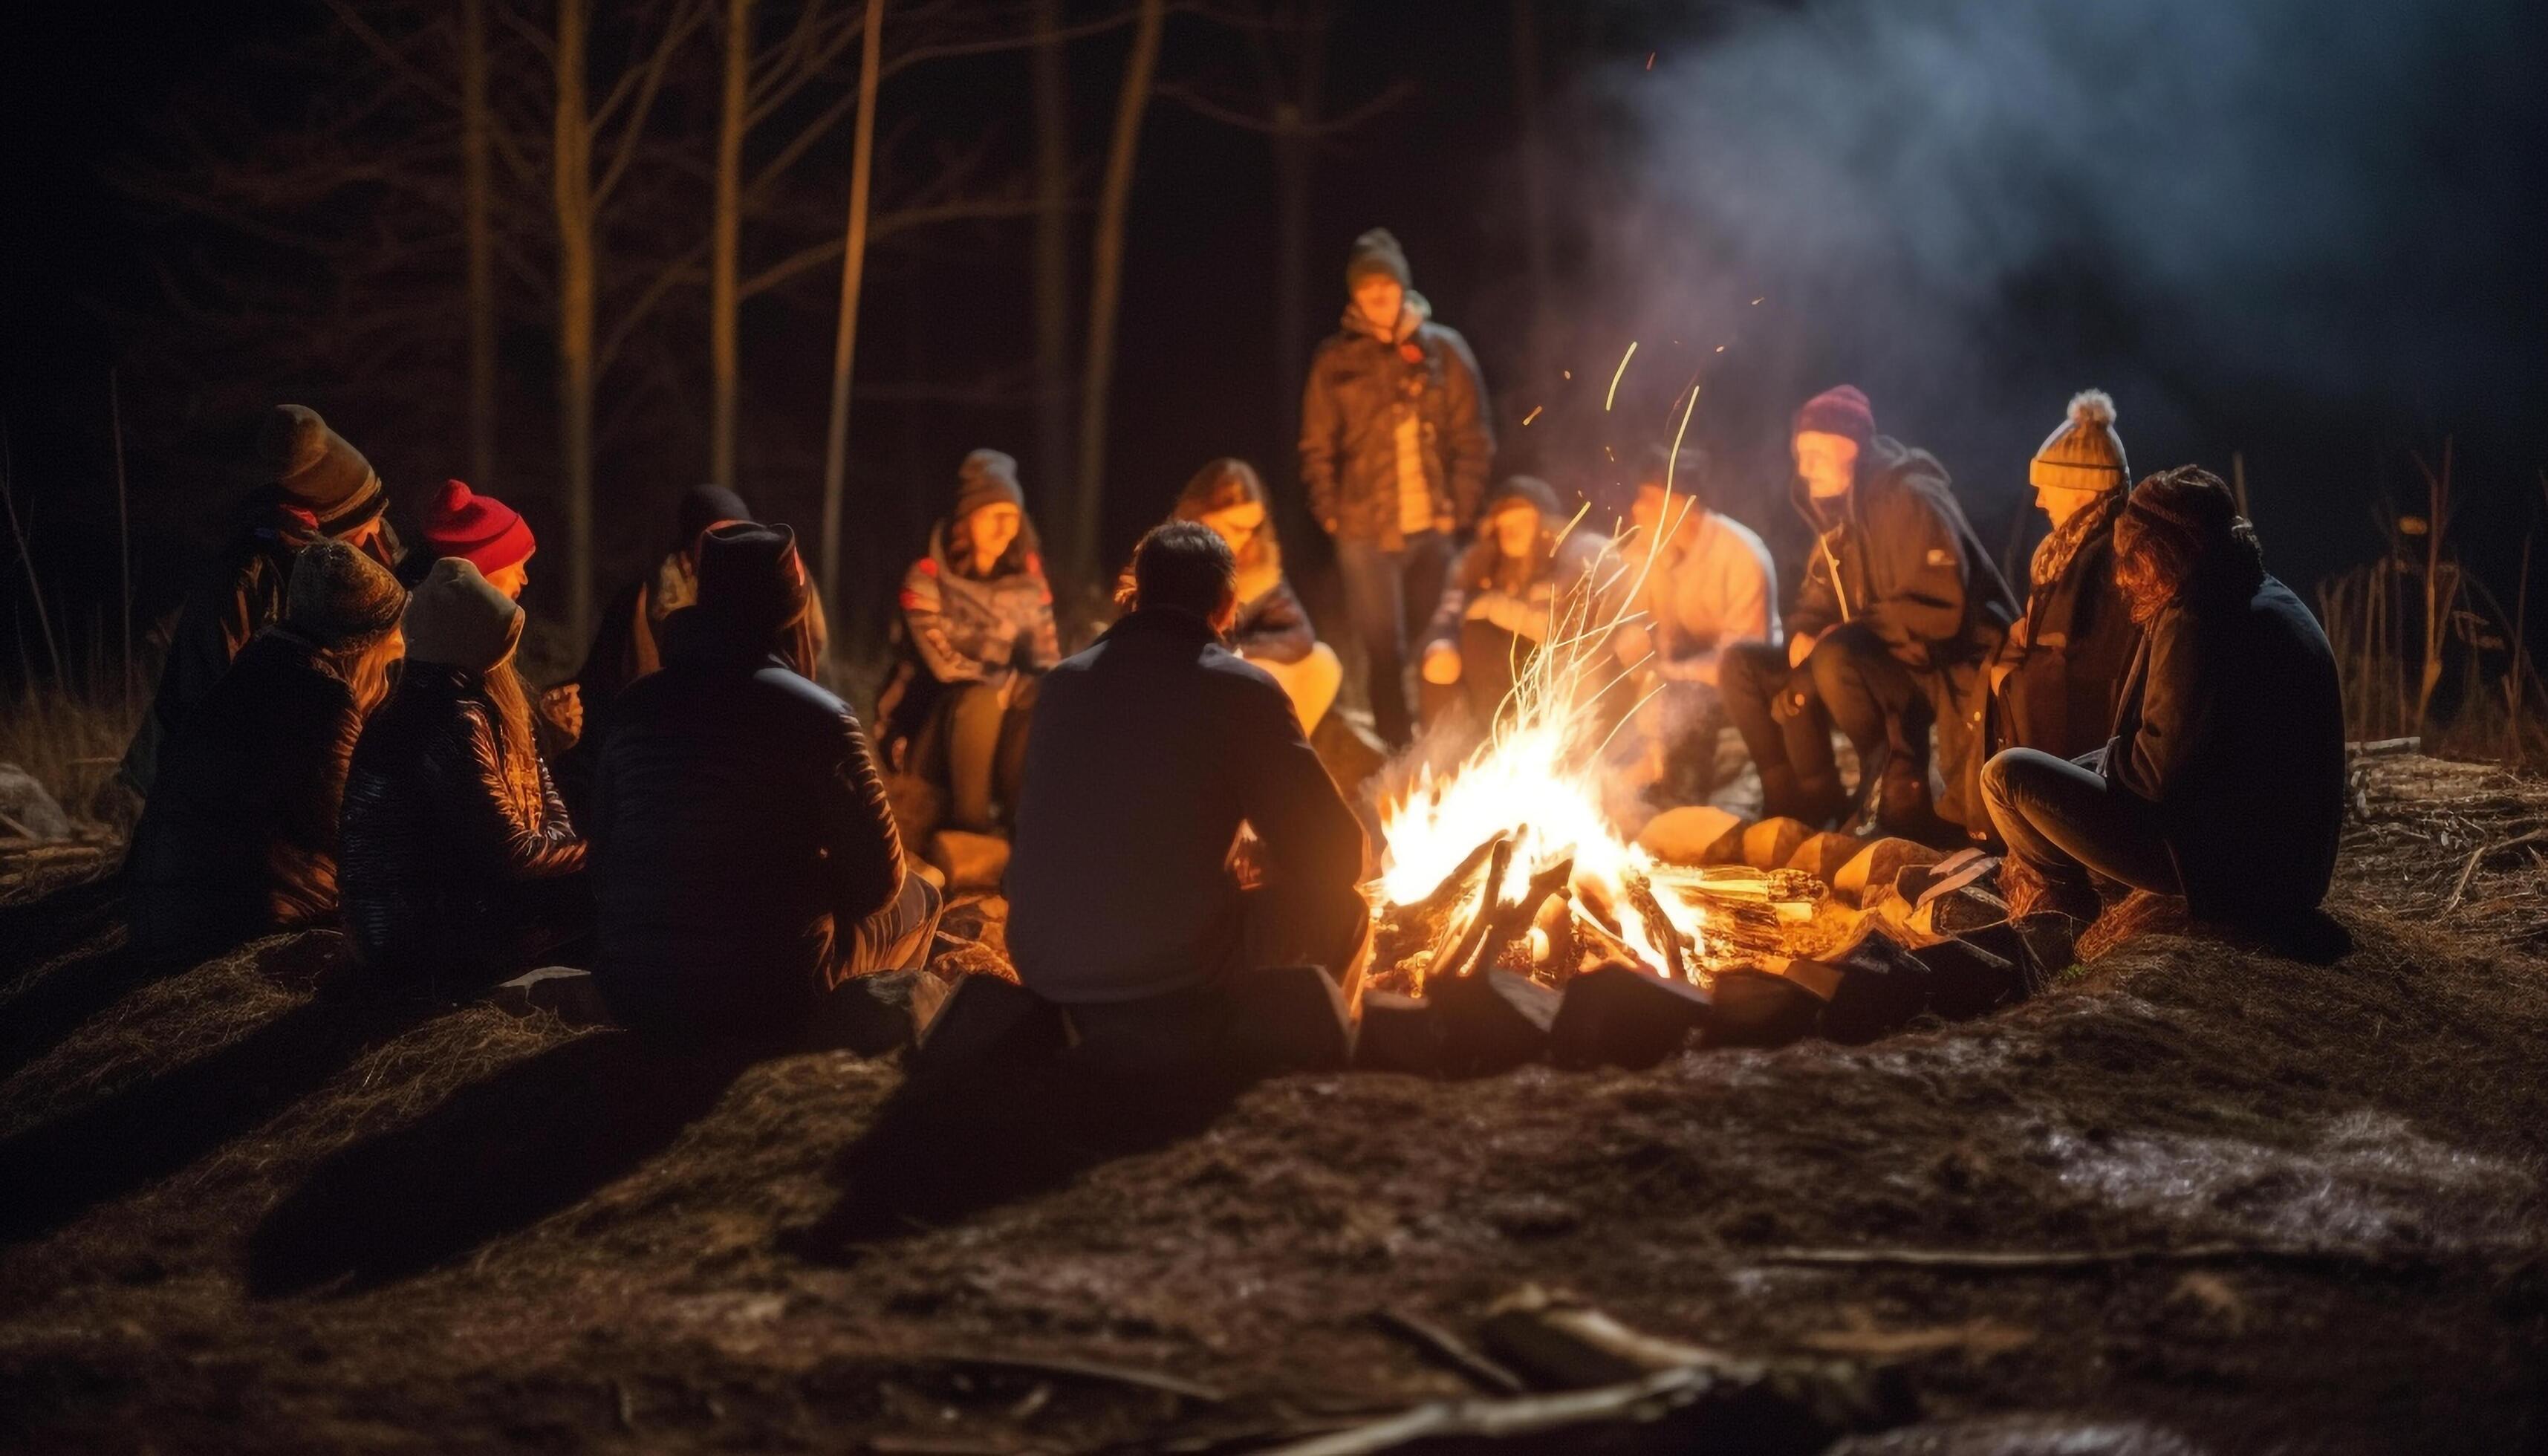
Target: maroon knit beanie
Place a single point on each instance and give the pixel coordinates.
(1840, 410)
(478, 529)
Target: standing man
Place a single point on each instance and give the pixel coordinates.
(1395, 447)
(1900, 611)
(1705, 585)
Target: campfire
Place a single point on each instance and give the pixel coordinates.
(1509, 860)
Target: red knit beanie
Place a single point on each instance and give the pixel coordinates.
(478, 529)
(1840, 410)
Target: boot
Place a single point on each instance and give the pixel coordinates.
(1904, 810)
(1816, 800)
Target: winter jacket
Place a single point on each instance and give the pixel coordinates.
(1898, 554)
(238, 837)
(2066, 664)
(2232, 722)
(1348, 439)
(739, 828)
(1150, 750)
(1712, 586)
(956, 628)
(1526, 600)
(238, 596)
(438, 830)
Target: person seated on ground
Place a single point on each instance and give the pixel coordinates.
(1272, 629)
(1702, 582)
(462, 524)
(2223, 780)
(2053, 683)
(629, 644)
(745, 864)
(460, 865)
(1151, 750)
(239, 838)
(1515, 585)
(976, 633)
(315, 487)
(1899, 611)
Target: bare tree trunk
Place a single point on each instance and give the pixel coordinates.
(723, 302)
(1106, 270)
(476, 223)
(1534, 163)
(845, 343)
(1053, 254)
(573, 185)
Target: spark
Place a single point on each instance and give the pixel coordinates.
(1533, 415)
(1614, 376)
(1650, 61)
(1720, 348)
(1569, 373)
(1755, 302)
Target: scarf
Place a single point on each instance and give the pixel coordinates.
(2054, 555)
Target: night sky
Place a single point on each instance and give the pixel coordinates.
(2312, 234)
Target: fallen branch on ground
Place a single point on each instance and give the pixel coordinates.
(1449, 1350)
(2468, 871)
(1080, 1370)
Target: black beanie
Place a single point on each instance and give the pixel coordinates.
(1377, 251)
(703, 506)
(314, 467)
(750, 580)
(1537, 492)
(987, 477)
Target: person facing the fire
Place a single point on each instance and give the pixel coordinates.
(1704, 582)
(460, 864)
(976, 634)
(1272, 629)
(1394, 450)
(1523, 579)
(2223, 780)
(238, 837)
(1900, 611)
(314, 487)
(1152, 750)
(745, 861)
(2052, 684)
(462, 524)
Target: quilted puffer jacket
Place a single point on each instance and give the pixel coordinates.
(441, 829)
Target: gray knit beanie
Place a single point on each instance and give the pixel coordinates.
(987, 477)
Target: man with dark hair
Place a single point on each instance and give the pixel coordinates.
(1152, 751)
(1703, 584)
(2224, 778)
(1395, 447)
(745, 861)
(311, 485)
(1900, 609)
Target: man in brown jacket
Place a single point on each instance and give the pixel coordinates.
(1395, 447)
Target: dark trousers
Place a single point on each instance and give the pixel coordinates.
(1851, 679)
(1491, 660)
(1389, 597)
(793, 1007)
(977, 746)
(2067, 822)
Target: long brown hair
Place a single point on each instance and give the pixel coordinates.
(2180, 538)
(1022, 555)
(1221, 485)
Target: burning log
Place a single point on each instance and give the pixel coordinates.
(1453, 958)
(1506, 923)
(1659, 930)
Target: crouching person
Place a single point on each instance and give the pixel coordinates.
(460, 865)
(239, 838)
(745, 864)
(2224, 778)
(1153, 749)
(1517, 585)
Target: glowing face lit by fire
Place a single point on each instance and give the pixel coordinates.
(2061, 503)
(1237, 524)
(1648, 511)
(1516, 529)
(993, 528)
(1380, 298)
(510, 579)
(1827, 463)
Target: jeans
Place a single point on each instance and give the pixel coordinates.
(1389, 597)
(2067, 822)
(1854, 681)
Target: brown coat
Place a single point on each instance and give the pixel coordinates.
(1348, 440)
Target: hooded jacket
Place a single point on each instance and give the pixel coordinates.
(956, 628)
(1897, 555)
(1348, 444)
(238, 837)
(236, 598)
(1150, 750)
(2232, 722)
(439, 827)
(740, 826)
(2067, 667)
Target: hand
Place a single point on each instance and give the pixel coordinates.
(1800, 646)
(1442, 665)
(563, 706)
(1999, 674)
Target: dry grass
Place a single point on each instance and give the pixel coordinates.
(70, 741)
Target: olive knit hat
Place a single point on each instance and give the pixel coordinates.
(299, 455)
(2084, 453)
(340, 598)
(1377, 251)
(457, 617)
(987, 477)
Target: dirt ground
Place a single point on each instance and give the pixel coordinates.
(238, 1215)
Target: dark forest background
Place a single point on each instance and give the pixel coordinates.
(2308, 239)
